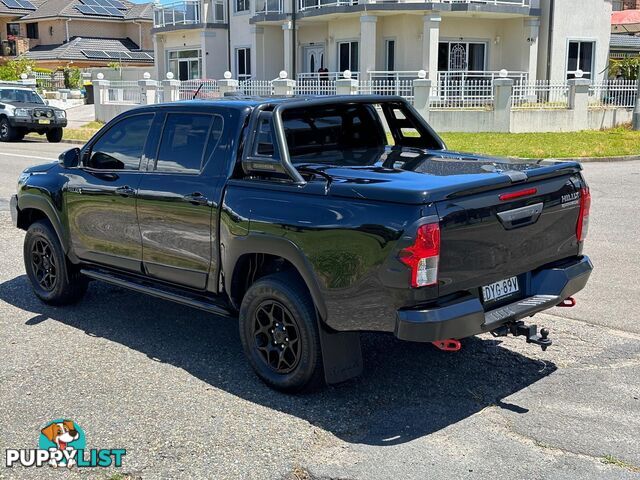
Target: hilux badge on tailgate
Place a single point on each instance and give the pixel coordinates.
(570, 199)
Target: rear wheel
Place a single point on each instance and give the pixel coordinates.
(54, 135)
(279, 333)
(54, 280)
(7, 132)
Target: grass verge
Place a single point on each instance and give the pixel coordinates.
(616, 142)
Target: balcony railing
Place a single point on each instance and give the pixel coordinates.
(314, 4)
(265, 7)
(185, 12)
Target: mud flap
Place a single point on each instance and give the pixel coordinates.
(341, 355)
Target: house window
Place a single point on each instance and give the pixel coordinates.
(243, 63)
(185, 64)
(32, 31)
(242, 5)
(580, 57)
(13, 30)
(348, 56)
(390, 55)
(462, 56)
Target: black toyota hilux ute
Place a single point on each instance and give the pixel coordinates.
(310, 220)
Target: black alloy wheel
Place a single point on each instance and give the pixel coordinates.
(277, 336)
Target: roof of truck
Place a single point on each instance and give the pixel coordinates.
(243, 101)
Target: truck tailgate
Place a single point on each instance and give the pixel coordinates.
(487, 237)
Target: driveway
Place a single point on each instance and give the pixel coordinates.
(170, 384)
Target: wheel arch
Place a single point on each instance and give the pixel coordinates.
(259, 255)
(32, 208)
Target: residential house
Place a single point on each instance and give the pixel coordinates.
(534, 39)
(87, 33)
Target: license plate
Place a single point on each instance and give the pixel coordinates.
(44, 122)
(501, 289)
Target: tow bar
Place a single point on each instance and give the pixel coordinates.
(530, 331)
(449, 345)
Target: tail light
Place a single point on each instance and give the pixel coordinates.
(583, 220)
(422, 257)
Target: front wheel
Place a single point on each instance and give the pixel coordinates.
(54, 280)
(7, 132)
(279, 333)
(54, 135)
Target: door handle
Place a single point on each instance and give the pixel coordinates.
(521, 217)
(125, 191)
(197, 199)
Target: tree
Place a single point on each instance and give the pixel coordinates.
(72, 77)
(12, 70)
(628, 68)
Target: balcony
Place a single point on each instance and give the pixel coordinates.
(189, 12)
(304, 5)
(266, 7)
(185, 12)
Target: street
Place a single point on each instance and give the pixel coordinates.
(171, 385)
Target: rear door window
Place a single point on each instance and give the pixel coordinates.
(188, 140)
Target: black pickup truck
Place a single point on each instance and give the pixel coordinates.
(310, 219)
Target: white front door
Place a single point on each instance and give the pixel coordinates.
(313, 59)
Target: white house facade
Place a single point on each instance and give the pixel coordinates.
(460, 39)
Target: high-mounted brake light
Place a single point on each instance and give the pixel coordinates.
(522, 193)
(423, 256)
(583, 219)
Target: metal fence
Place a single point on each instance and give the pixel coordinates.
(540, 95)
(462, 95)
(256, 87)
(205, 89)
(315, 87)
(124, 92)
(402, 88)
(613, 94)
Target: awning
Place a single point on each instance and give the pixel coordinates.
(625, 21)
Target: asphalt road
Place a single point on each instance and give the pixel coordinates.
(170, 384)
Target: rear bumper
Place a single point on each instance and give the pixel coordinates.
(546, 289)
(13, 207)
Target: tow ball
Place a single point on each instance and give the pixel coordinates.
(519, 328)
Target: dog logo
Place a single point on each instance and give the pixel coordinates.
(62, 443)
(65, 435)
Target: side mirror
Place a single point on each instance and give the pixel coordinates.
(70, 158)
(46, 102)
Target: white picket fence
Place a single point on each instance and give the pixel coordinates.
(613, 94)
(123, 92)
(540, 95)
(444, 95)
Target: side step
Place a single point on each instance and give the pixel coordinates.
(173, 295)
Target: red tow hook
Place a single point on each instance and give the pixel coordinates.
(568, 302)
(449, 345)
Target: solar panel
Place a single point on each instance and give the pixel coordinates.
(98, 10)
(140, 56)
(118, 55)
(95, 54)
(21, 4)
(105, 3)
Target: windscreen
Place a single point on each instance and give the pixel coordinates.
(14, 95)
